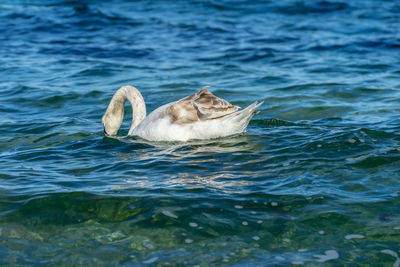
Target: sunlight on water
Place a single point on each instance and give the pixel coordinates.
(314, 181)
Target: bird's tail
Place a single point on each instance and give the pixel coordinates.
(242, 117)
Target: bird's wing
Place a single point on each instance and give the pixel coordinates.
(202, 105)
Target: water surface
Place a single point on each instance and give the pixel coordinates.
(314, 181)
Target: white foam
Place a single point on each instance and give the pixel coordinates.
(193, 224)
(393, 254)
(169, 214)
(348, 237)
(151, 260)
(329, 255)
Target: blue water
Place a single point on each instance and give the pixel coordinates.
(314, 181)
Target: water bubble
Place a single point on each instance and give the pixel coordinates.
(274, 204)
(351, 141)
(321, 232)
(245, 223)
(188, 241)
(253, 212)
(238, 207)
(193, 224)
(287, 240)
(256, 238)
(259, 222)
(302, 250)
(319, 145)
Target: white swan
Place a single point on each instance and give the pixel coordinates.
(199, 116)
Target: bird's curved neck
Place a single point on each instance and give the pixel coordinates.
(114, 114)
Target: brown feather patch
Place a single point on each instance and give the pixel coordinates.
(202, 105)
(182, 113)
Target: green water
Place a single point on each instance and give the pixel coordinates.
(314, 181)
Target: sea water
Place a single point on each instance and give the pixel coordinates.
(314, 181)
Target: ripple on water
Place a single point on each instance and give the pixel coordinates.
(319, 162)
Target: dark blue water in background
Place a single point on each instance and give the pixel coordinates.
(315, 181)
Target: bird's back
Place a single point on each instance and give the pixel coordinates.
(199, 116)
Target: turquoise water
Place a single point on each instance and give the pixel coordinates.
(314, 181)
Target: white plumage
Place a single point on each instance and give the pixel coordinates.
(198, 116)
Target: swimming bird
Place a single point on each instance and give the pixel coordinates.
(198, 116)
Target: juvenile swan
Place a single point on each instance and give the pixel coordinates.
(198, 116)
